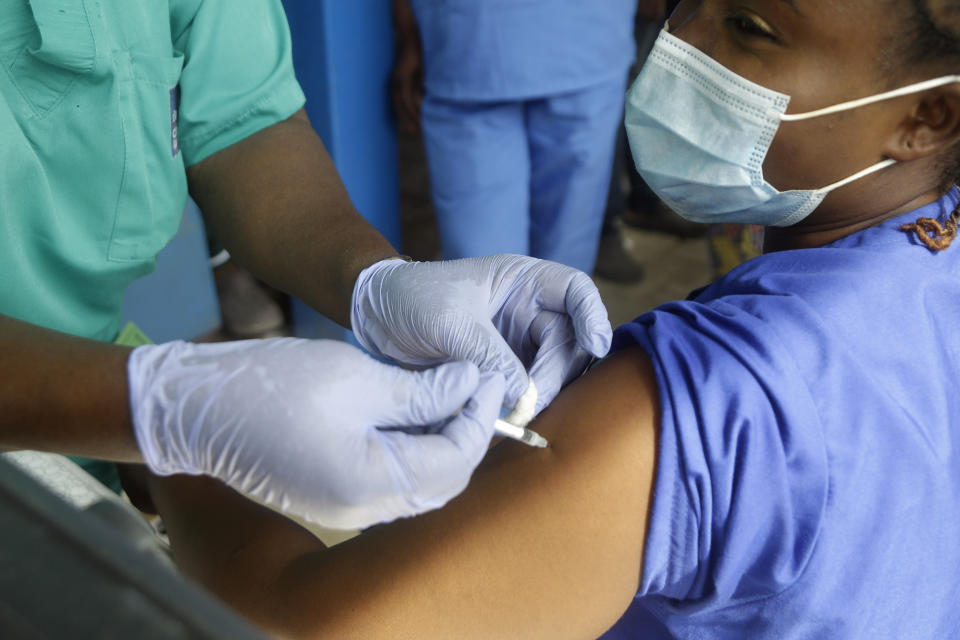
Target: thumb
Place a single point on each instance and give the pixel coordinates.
(431, 396)
(472, 429)
(438, 466)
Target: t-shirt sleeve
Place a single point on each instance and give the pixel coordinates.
(741, 480)
(238, 73)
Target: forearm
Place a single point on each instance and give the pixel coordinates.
(544, 543)
(63, 394)
(404, 21)
(276, 202)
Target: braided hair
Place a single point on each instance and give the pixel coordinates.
(933, 35)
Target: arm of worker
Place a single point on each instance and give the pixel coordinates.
(63, 394)
(259, 172)
(277, 203)
(270, 192)
(407, 78)
(302, 425)
(544, 543)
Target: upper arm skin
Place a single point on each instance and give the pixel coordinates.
(543, 543)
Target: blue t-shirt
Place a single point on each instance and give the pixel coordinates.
(494, 50)
(808, 479)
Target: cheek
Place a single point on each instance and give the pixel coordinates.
(796, 156)
(816, 153)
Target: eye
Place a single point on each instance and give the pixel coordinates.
(748, 25)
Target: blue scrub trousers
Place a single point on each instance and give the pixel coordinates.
(528, 177)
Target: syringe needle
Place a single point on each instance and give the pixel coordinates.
(520, 434)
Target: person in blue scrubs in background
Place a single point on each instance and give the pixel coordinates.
(519, 104)
(776, 457)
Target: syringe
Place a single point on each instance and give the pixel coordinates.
(515, 426)
(521, 434)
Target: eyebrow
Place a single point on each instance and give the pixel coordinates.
(793, 5)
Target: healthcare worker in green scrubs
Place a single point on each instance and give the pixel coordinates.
(110, 113)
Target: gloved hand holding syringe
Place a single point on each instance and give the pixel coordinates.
(318, 429)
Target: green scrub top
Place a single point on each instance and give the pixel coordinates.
(102, 106)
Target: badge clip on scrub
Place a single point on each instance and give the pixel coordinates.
(699, 134)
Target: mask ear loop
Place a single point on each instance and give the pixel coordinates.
(880, 97)
(880, 166)
(854, 104)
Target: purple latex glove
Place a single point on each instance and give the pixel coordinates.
(314, 428)
(505, 313)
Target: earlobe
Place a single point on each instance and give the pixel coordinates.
(931, 128)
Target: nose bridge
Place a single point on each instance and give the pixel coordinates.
(690, 23)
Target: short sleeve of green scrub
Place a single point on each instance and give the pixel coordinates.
(237, 75)
(102, 106)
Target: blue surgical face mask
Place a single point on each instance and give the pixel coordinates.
(700, 133)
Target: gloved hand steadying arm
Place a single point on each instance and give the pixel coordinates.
(505, 313)
(311, 427)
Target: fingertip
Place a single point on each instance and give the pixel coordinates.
(477, 420)
(602, 339)
(594, 335)
(485, 404)
(590, 319)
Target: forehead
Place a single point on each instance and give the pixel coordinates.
(868, 15)
(856, 17)
(871, 34)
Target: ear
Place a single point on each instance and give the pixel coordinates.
(931, 128)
